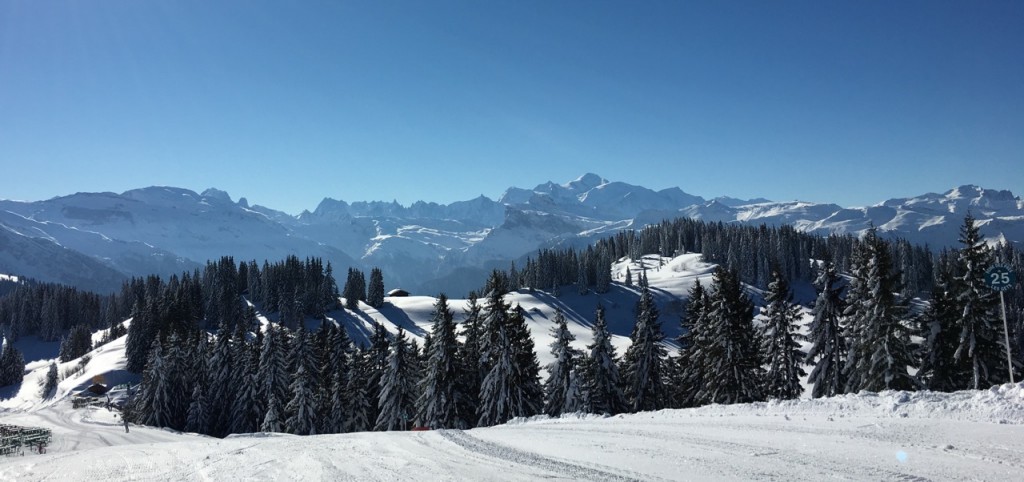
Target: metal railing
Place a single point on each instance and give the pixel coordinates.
(14, 439)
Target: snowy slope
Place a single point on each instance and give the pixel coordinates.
(892, 435)
(971, 435)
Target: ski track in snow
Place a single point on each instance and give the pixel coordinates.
(852, 441)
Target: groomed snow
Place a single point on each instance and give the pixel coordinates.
(971, 435)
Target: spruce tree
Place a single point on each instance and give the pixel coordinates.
(375, 292)
(511, 387)
(272, 421)
(273, 378)
(782, 350)
(223, 385)
(337, 415)
(828, 346)
(12, 365)
(397, 388)
(603, 387)
(731, 362)
(197, 417)
(441, 394)
(358, 406)
(643, 363)
(940, 368)
(50, 388)
(881, 352)
(981, 340)
(471, 371)
(561, 391)
(301, 409)
(693, 342)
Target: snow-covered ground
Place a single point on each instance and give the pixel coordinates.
(971, 435)
(889, 436)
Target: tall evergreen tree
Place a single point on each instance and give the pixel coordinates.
(359, 407)
(12, 365)
(355, 289)
(471, 370)
(375, 292)
(603, 386)
(223, 384)
(197, 420)
(441, 394)
(731, 362)
(828, 346)
(301, 409)
(781, 347)
(940, 369)
(511, 387)
(562, 391)
(50, 388)
(397, 388)
(880, 353)
(274, 375)
(694, 342)
(981, 340)
(643, 363)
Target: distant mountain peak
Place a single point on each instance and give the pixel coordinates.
(214, 193)
(588, 180)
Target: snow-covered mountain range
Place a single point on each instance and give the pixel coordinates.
(94, 239)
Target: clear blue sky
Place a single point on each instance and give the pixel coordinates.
(289, 102)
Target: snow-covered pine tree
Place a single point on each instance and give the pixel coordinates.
(629, 277)
(643, 363)
(854, 322)
(246, 411)
(603, 386)
(375, 291)
(223, 385)
(881, 347)
(50, 388)
(157, 398)
(336, 416)
(828, 346)
(378, 353)
(12, 364)
(397, 388)
(471, 372)
(693, 342)
(197, 420)
(272, 421)
(301, 409)
(440, 392)
(273, 376)
(940, 368)
(358, 409)
(141, 333)
(981, 338)
(781, 348)
(355, 289)
(561, 391)
(731, 361)
(511, 387)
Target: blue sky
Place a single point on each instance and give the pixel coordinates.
(289, 102)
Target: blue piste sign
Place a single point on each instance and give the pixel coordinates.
(1000, 277)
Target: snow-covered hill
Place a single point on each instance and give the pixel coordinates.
(968, 435)
(427, 247)
(892, 435)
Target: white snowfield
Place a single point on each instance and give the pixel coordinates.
(970, 435)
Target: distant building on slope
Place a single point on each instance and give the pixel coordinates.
(398, 292)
